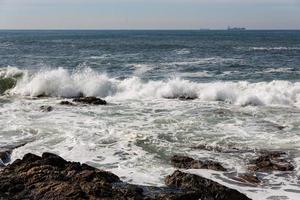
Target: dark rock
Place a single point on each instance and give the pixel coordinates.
(43, 95)
(248, 178)
(66, 103)
(52, 177)
(190, 163)
(204, 188)
(183, 98)
(46, 108)
(90, 100)
(271, 161)
(4, 157)
(221, 149)
(186, 98)
(5, 152)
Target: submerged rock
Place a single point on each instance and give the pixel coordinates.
(248, 178)
(271, 161)
(182, 98)
(205, 189)
(90, 100)
(67, 103)
(187, 98)
(190, 163)
(5, 152)
(52, 177)
(46, 108)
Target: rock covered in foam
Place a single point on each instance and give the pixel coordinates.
(67, 103)
(5, 152)
(90, 100)
(271, 161)
(204, 188)
(190, 163)
(46, 108)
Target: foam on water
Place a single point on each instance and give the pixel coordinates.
(61, 83)
(136, 134)
(274, 48)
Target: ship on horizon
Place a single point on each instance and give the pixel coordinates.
(236, 28)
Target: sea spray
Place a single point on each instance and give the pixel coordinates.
(9, 77)
(62, 83)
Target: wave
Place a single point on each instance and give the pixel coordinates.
(274, 48)
(9, 77)
(62, 83)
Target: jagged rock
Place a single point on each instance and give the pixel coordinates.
(190, 163)
(46, 108)
(51, 177)
(67, 103)
(205, 189)
(271, 161)
(90, 100)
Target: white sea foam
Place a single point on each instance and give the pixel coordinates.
(182, 51)
(140, 69)
(10, 72)
(274, 48)
(199, 61)
(61, 83)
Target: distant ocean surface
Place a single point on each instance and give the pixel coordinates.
(245, 84)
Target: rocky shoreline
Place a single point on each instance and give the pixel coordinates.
(52, 177)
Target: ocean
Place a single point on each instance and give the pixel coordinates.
(168, 92)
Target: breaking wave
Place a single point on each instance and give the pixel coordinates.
(9, 77)
(62, 83)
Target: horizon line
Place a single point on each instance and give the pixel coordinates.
(142, 29)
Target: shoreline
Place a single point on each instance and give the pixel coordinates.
(52, 177)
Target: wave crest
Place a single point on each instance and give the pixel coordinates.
(61, 83)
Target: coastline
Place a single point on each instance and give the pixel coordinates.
(52, 177)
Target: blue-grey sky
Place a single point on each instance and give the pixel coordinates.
(149, 14)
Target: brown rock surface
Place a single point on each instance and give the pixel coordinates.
(52, 177)
(271, 161)
(204, 188)
(190, 163)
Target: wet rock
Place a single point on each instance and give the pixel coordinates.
(248, 178)
(187, 98)
(52, 177)
(205, 189)
(5, 152)
(4, 157)
(271, 161)
(223, 149)
(90, 100)
(67, 103)
(182, 98)
(190, 163)
(46, 108)
(43, 95)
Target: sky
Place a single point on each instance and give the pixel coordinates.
(149, 14)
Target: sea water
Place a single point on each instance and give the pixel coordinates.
(245, 84)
